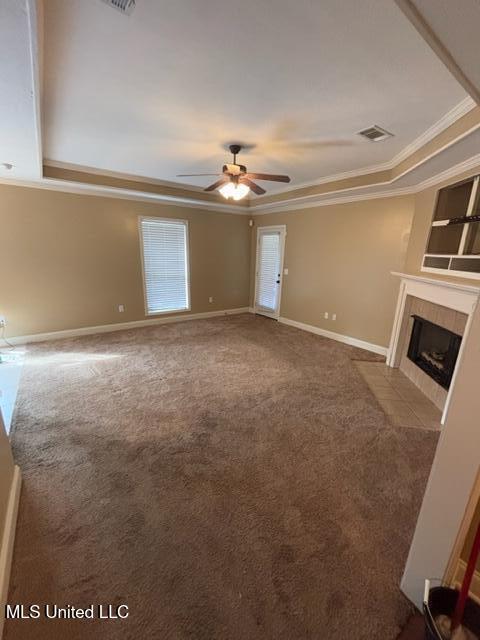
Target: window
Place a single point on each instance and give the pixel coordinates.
(165, 264)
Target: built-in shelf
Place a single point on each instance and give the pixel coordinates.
(453, 245)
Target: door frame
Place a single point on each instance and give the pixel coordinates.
(282, 229)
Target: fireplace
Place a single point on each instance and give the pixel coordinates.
(434, 349)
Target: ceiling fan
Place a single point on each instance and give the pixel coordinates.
(236, 182)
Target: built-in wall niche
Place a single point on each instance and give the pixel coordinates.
(453, 245)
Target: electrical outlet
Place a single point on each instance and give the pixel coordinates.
(121, 308)
(334, 316)
(210, 299)
(3, 321)
(325, 315)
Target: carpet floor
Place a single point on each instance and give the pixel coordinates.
(227, 479)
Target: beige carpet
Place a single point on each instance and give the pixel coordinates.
(229, 479)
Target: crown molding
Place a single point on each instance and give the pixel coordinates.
(442, 124)
(81, 188)
(460, 110)
(318, 198)
(131, 177)
(452, 172)
(286, 207)
(308, 202)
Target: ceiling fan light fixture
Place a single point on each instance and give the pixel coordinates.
(241, 190)
(235, 191)
(236, 182)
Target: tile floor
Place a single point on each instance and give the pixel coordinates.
(404, 404)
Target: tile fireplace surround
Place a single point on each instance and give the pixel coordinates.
(447, 304)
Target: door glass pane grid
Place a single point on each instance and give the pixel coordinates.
(269, 265)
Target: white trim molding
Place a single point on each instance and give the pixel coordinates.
(432, 39)
(325, 199)
(119, 175)
(35, 22)
(282, 230)
(8, 538)
(256, 207)
(353, 342)
(141, 240)
(457, 112)
(81, 188)
(121, 326)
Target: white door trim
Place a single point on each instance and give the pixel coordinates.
(282, 229)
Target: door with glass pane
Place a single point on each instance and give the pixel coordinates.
(269, 270)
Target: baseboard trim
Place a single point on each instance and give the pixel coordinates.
(120, 326)
(8, 538)
(354, 342)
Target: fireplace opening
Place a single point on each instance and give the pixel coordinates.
(434, 349)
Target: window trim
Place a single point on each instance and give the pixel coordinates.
(187, 265)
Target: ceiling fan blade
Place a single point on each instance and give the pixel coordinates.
(217, 184)
(192, 175)
(268, 176)
(254, 187)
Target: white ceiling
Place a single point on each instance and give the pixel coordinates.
(460, 157)
(457, 26)
(19, 109)
(160, 92)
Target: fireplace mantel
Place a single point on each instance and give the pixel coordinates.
(446, 293)
(448, 284)
(454, 295)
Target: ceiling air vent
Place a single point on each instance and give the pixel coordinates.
(124, 6)
(375, 133)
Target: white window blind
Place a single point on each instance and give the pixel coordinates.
(269, 265)
(165, 264)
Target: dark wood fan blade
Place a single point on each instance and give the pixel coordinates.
(217, 184)
(254, 187)
(268, 176)
(192, 175)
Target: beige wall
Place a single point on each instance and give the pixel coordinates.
(68, 260)
(339, 259)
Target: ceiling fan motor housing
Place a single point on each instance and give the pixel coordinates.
(237, 175)
(234, 169)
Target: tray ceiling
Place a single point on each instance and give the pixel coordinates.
(162, 91)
